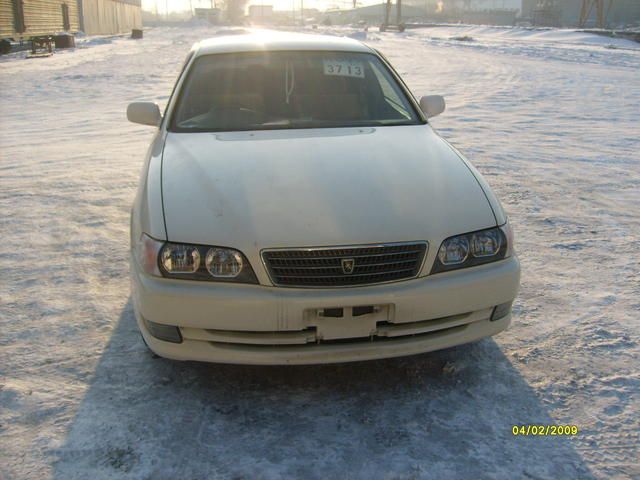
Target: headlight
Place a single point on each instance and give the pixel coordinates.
(475, 248)
(193, 262)
(454, 251)
(177, 258)
(486, 243)
(224, 263)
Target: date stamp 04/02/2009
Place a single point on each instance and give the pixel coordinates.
(545, 430)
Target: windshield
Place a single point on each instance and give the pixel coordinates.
(275, 90)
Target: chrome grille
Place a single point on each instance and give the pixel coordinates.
(330, 267)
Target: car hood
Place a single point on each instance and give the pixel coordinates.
(320, 187)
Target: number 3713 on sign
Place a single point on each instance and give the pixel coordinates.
(344, 68)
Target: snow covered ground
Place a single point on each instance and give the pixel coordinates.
(551, 118)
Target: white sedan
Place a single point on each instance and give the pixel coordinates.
(296, 207)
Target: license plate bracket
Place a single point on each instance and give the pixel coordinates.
(354, 322)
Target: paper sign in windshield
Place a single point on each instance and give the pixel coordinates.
(344, 68)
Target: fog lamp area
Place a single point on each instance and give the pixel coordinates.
(501, 311)
(167, 333)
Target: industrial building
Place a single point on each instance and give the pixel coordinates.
(260, 12)
(567, 13)
(373, 14)
(102, 17)
(547, 13)
(211, 15)
(23, 19)
(436, 11)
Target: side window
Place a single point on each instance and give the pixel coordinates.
(66, 24)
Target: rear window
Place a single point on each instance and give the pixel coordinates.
(279, 90)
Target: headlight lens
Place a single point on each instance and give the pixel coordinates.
(224, 263)
(193, 262)
(177, 258)
(454, 250)
(475, 248)
(486, 243)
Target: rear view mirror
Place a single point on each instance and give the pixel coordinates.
(432, 105)
(146, 113)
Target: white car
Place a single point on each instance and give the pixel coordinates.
(296, 207)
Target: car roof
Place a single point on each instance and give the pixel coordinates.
(232, 41)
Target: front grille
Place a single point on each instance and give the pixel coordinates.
(331, 267)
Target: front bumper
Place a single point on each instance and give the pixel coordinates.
(257, 324)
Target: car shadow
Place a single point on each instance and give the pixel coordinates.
(447, 414)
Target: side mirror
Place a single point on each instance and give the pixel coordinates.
(146, 113)
(432, 105)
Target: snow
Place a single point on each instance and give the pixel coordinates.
(549, 117)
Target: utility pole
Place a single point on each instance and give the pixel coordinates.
(387, 7)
